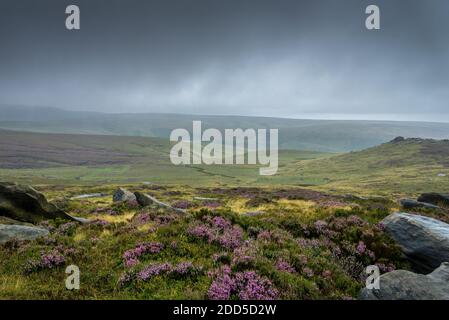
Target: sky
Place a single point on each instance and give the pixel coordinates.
(281, 58)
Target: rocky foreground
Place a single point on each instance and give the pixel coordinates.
(157, 242)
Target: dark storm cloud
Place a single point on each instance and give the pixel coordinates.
(259, 57)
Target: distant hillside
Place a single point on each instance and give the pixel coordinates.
(74, 159)
(402, 166)
(399, 166)
(313, 135)
(25, 150)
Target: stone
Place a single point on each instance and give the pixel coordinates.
(146, 200)
(89, 195)
(424, 240)
(413, 204)
(24, 203)
(20, 232)
(143, 199)
(406, 285)
(122, 194)
(435, 198)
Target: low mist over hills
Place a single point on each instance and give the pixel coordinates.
(314, 135)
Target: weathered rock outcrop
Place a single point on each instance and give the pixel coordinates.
(413, 204)
(23, 203)
(122, 194)
(406, 285)
(435, 198)
(146, 200)
(20, 232)
(425, 240)
(143, 199)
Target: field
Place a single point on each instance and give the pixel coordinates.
(392, 169)
(39, 158)
(296, 244)
(305, 233)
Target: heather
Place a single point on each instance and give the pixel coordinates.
(296, 249)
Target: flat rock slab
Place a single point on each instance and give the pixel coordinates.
(424, 240)
(89, 195)
(406, 285)
(20, 232)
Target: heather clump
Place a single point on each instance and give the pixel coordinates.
(217, 230)
(177, 271)
(247, 285)
(183, 204)
(131, 256)
(47, 260)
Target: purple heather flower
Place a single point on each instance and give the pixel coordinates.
(361, 247)
(142, 218)
(244, 255)
(182, 204)
(246, 285)
(46, 261)
(221, 223)
(202, 231)
(223, 285)
(154, 270)
(231, 238)
(251, 286)
(356, 220)
(131, 257)
(283, 265)
(183, 268)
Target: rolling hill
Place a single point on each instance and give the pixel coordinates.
(47, 158)
(401, 166)
(294, 134)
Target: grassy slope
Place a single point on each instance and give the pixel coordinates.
(38, 158)
(408, 167)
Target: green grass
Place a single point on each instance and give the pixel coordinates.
(398, 169)
(392, 169)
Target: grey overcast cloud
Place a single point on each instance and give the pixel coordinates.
(299, 59)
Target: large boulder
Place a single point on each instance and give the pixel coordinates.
(20, 232)
(143, 199)
(413, 204)
(406, 285)
(23, 203)
(122, 194)
(435, 198)
(425, 240)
